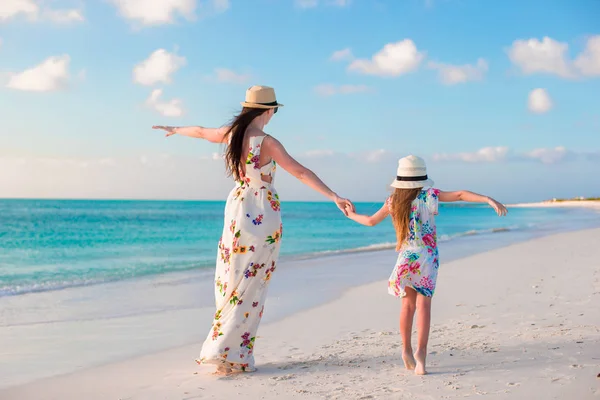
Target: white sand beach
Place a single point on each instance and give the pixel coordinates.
(592, 204)
(520, 322)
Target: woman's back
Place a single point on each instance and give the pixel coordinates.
(257, 168)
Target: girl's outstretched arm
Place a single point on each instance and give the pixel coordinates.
(213, 135)
(369, 220)
(464, 195)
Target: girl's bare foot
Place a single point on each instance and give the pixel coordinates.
(409, 360)
(420, 359)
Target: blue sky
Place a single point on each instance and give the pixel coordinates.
(498, 96)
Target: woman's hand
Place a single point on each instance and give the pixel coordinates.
(498, 207)
(171, 130)
(343, 204)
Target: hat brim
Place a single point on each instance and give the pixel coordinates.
(256, 105)
(411, 184)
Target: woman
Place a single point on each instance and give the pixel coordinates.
(249, 246)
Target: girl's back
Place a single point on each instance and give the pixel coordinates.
(418, 261)
(421, 226)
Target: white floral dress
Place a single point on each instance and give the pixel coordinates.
(418, 259)
(247, 257)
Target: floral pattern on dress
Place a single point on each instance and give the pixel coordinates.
(247, 256)
(418, 260)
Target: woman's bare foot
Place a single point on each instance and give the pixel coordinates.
(420, 359)
(409, 360)
(222, 370)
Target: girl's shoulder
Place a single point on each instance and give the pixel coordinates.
(433, 192)
(428, 194)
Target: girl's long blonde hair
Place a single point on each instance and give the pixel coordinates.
(401, 201)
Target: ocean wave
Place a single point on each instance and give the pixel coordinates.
(110, 277)
(391, 245)
(44, 286)
(25, 288)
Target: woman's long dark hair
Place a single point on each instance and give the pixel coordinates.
(235, 137)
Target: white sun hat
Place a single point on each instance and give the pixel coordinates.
(412, 173)
(261, 97)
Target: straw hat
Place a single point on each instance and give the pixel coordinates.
(261, 97)
(412, 173)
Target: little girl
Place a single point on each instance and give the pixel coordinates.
(412, 209)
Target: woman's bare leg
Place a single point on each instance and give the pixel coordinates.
(407, 314)
(423, 325)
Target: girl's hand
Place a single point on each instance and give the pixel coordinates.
(498, 207)
(343, 204)
(349, 211)
(171, 130)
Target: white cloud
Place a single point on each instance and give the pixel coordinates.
(340, 3)
(315, 3)
(374, 156)
(157, 176)
(156, 12)
(221, 5)
(164, 176)
(224, 75)
(328, 89)
(497, 154)
(51, 75)
(548, 156)
(486, 154)
(157, 68)
(342, 55)
(12, 8)
(63, 16)
(551, 57)
(319, 153)
(588, 62)
(30, 9)
(393, 60)
(171, 108)
(307, 3)
(539, 101)
(546, 56)
(453, 74)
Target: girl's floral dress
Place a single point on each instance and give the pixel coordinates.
(246, 259)
(418, 260)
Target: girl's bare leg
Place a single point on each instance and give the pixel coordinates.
(423, 325)
(407, 313)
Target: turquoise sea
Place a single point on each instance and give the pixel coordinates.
(56, 244)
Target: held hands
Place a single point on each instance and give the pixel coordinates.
(350, 211)
(498, 207)
(170, 129)
(344, 205)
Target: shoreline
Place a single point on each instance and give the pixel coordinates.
(590, 204)
(285, 258)
(173, 310)
(206, 268)
(491, 334)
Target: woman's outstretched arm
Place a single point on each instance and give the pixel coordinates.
(213, 135)
(278, 153)
(464, 195)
